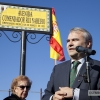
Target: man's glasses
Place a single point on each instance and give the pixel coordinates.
(23, 87)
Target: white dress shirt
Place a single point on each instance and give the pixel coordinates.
(77, 90)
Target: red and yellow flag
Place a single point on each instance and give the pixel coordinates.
(56, 49)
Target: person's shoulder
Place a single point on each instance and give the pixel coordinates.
(12, 97)
(64, 63)
(95, 64)
(97, 61)
(7, 98)
(94, 61)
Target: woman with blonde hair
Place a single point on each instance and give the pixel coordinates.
(20, 87)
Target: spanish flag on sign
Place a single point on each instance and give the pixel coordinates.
(56, 49)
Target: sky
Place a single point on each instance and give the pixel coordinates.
(69, 14)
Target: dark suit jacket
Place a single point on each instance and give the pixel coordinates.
(12, 97)
(60, 78)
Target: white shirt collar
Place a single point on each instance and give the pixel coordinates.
(80, 60)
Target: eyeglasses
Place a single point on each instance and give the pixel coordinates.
(23, 87)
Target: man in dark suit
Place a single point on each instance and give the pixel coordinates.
(62, 85)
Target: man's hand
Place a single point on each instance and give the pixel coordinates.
(59, 95)
(68, 91)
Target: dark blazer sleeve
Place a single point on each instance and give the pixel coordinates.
(95, 83)
(49, 91)
(58, 78)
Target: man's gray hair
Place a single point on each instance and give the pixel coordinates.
(86, 34)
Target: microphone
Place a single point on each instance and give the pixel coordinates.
(85, 50)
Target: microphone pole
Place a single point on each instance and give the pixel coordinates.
(88, 80)
(87, 75)
(87, 53)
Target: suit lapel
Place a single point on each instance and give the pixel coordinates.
(66, 73)
(79, 77)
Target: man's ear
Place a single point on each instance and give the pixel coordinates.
(89, 44)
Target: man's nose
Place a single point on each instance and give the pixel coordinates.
(70, 43)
